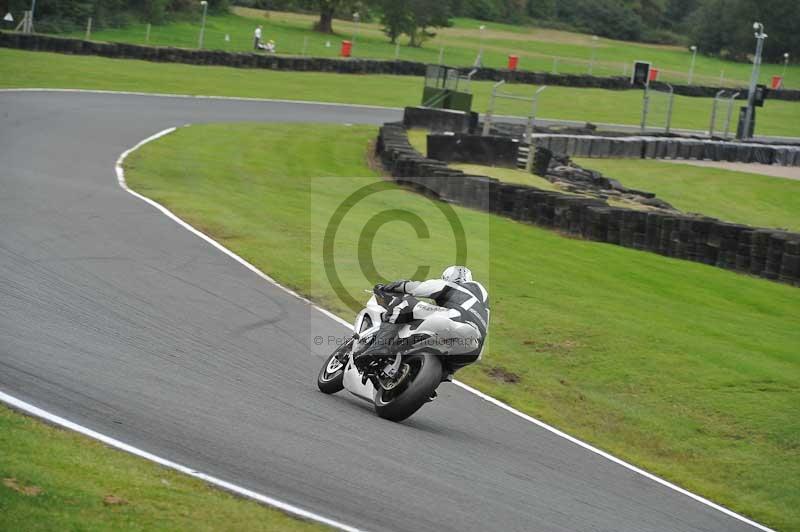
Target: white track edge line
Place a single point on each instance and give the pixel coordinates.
(207, 97)
(496, 402)
(613, 458)
(228, 486)
(38, 412)
(122, 183)
(274, 502)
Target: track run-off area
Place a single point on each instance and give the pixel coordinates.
(122, 322)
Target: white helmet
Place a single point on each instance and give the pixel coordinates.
(457, 274)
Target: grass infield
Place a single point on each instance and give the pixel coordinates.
(687, 370)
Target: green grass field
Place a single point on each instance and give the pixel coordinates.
(687, 370)
(51, 479)
(536, 47)
(39, 69)
(732, 196)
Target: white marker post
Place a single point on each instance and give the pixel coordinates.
(693, 48)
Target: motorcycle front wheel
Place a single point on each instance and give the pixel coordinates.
(331, 376)
(413, 391)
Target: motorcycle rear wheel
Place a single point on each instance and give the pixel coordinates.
(425, 376)
(331, 376)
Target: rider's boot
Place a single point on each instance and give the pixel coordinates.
(385, 344)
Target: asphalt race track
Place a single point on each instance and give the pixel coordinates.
(117, 318)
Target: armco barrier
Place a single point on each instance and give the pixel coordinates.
(767, 253)
(51, 43)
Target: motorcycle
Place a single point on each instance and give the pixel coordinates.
(399, 384)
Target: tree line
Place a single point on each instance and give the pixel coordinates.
(57, 16)
(719, 27)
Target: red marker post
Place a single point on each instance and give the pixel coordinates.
(513, 61)
(347, 48)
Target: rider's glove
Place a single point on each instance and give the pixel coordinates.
(397, 287)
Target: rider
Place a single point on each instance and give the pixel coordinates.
(461, 312)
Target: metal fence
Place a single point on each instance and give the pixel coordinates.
(533, 100)
(722, 111)
(657, 109)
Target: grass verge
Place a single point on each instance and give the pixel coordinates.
(687, 370)
(52, 479)
(20, 69)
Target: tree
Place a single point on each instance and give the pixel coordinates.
(725, 27)
(414, 18)
(542, 9)
(327, 8)
(396, 19)
(512, 10)
(608, 18)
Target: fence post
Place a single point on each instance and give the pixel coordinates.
(529, 129)
(89, 29)
(26, 23)
(397, 50)
(714, 113)
(532, 116)
(645, 105)
(669, 108)
(305, 45)
(441, 55)
(147, 34)
(487, 122)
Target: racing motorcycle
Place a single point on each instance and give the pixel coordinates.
(398, 384)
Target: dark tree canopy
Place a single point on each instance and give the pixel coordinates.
(70, 15)
(414, 18)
